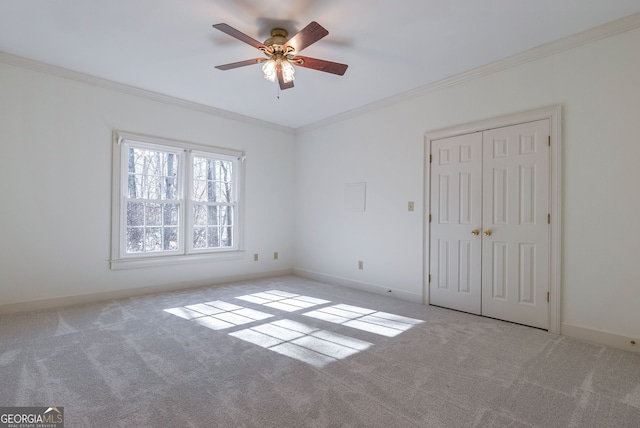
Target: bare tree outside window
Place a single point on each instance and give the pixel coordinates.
(152, 217)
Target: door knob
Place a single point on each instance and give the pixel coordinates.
(487, 232)
(475, 232)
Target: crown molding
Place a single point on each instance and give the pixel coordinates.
(77, 76)
(592, 35)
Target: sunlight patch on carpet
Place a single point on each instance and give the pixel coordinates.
(218, 315)
(302, 342)
(283, 300)
(369, 320)
(294, 339)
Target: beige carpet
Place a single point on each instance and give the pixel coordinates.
(290, 352)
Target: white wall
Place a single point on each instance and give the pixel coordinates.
(599, 88)
(55, 170)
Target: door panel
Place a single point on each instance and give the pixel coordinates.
(498, 267)
(456, 204)
(515, 256)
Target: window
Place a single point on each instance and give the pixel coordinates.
(213, 203)
(173, 201)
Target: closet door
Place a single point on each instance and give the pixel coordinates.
(515, 241)
(456, 209)
(489, 231)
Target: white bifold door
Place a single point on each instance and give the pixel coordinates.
(489, 231)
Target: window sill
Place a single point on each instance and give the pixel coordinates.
(139, 262)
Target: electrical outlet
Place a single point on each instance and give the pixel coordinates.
(410, 205)
(255, 257)
(275, 255)
(360, 265)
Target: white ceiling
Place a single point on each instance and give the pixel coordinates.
(170, 47)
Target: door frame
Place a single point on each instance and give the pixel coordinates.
(553, 113)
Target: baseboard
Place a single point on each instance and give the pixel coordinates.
(601, 337)
(359, 285)
(58, 302)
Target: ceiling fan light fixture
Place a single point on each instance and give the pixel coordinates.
(270, 69)
(287, 71)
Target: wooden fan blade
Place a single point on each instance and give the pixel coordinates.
(281, 81)
(307, 36)
(239, 64)
(321, 65)
(225, 28)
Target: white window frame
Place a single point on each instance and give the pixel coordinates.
(185, 252)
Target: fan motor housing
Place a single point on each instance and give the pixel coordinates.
(278, 37)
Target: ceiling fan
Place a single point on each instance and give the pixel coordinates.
(282, 53)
